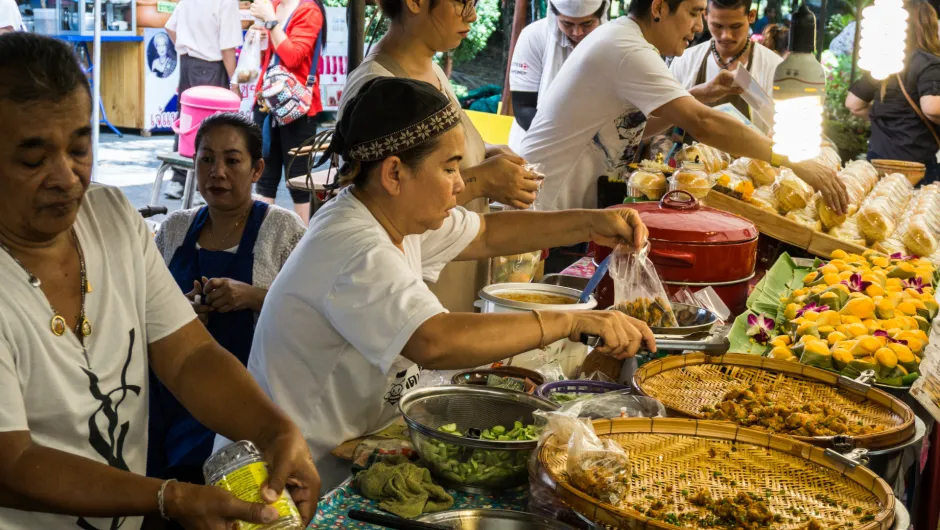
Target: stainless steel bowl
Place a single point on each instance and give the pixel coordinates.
(493, 520)
(492, 303)
(473, 465)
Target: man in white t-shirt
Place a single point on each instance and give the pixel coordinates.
(540, 51)
(595, 114)
(206, 34)
(87, 309)
(730, 48)
(10, 18)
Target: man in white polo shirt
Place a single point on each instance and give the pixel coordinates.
(206, 34)
(10, 19)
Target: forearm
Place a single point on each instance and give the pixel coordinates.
(257, 299)
(228, 59)
(52, 481)
(509, 233)
(277, 36)
(656, 126)
(729, 135)
(453, 341)
(473, 186)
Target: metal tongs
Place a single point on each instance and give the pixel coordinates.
(664, 343)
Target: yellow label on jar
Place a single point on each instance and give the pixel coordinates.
(245, 483)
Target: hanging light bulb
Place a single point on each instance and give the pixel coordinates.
(799, 88)
(884, 34)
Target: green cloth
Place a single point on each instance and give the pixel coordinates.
(403, 488)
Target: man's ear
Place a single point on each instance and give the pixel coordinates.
(391, 174)
(752, 16)
(413, 5)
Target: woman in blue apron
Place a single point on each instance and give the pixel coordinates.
(224, 256)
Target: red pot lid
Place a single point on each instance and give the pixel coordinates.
(679, 218)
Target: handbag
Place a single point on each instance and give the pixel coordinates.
(284, 95)
(920, 114)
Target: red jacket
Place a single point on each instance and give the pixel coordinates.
(296, 52)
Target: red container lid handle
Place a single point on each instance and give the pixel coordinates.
(669, 200)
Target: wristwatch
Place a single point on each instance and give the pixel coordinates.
(271, 24)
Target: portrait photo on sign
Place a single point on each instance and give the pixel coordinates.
(161, 55)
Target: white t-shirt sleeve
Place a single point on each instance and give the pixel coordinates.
(650, 90)
(12, 406)
(685, 68)
(230, 34)
(10, 15)
(377, 304)
(440, 247)
(525, 75)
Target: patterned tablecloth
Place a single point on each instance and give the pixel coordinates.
(331, 513)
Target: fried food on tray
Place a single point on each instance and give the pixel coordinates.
(656, 313)
(753, 407)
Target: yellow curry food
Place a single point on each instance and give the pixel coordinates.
(537, 298)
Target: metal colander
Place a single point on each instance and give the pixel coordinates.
(464, 463)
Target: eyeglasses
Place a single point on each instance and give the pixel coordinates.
(466, 7)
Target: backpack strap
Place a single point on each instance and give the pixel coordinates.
(916, 108)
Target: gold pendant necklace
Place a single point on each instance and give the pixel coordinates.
(58, 324)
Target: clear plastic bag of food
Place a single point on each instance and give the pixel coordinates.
(807, 216)
(760, 172)
(638, 291)
(599, 468)
(765, 198)
(730, 183)
(881, 212)
(848, 232)
(520, 268)
(692, 178)
(249, 59)
(791, 192)
(649, 185)
(711, 159)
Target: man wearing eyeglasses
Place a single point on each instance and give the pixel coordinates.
(542, 48)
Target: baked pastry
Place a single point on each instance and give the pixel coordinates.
(762, 173)
(651, 185)
(792, 193)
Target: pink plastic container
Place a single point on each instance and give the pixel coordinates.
(197, 104)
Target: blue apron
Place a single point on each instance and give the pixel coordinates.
(176, 438)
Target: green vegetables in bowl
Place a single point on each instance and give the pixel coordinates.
(480, 467)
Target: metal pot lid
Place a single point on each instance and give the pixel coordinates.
(680, 218)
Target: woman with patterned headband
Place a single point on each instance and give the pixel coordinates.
(349, 320)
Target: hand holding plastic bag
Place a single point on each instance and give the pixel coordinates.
(638, 292)
(520, 268)
(249, 60)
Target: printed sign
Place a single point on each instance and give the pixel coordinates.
(161, 106)
(333, 67)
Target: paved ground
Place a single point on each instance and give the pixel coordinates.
(131, 164)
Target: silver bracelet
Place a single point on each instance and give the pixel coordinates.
(161, 499)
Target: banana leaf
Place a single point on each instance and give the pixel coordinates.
(740, 342)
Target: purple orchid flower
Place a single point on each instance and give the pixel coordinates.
(916, 283)
(900, 256)
(759, 328)
(855, 283)
(811, 307)
(882, 333)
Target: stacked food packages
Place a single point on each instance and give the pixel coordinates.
(861, 312)
(919, 228)
(882, 210)
(859, 178)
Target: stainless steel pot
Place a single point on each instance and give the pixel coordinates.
(492, 303)
(493, 520)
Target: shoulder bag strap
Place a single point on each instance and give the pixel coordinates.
(317, 50)
(916, 108)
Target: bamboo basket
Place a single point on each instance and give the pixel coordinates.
(686, 383)
(914, 171)
(667, 456)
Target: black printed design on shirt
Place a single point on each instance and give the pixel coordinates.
(110, 444)
(401, 383)
(630, 129)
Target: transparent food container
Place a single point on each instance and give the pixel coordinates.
(648, 185)
(691, 177)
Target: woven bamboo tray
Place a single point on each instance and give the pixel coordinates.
(667, 456)
(914, 171)
(686, 383)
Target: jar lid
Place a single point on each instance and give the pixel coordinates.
(680, 218)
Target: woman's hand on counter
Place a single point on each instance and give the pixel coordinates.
(622, 336)
(825, 181)
(501, 178)
(225, 295)
(292, 467)
(617, 226)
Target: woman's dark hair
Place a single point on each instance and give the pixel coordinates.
(38, 68)
(731, 4)
(777, 38)
(357, 173)
(392, 9)
(597, 14)
(247, 128)
(642, 8)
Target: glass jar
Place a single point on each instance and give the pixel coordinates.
(240, 469)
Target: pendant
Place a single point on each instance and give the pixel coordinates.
(58, 326)
(86, 327)
(87, 286)
(34, 281)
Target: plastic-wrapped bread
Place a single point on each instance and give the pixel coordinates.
(698, 153)
(879, 215)
(647, 184)
(829, 157)
(848, 232)
(765, 198)
(738, 186)
(691, 178)
(919, 229)
(762, 173)
(807, 216)
(792, 193)
(859, 178)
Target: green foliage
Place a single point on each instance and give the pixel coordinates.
(480, 31)
(834, 27)
(848, 132)
(460, 90)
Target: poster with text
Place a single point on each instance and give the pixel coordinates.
(333, 60)
(160, 81)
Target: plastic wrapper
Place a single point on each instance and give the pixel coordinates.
(807, 216)
(760, 172)
(859, 178)
(791, 192)
(638, 291)
(881, 212)
(848, 232)
(712, 159)
(692, 178)
(765, 198)
(829, 157)
(520, 268)
(647, 184)
(599, 468)
(249, 60)
(730, 183)
(918, 232)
